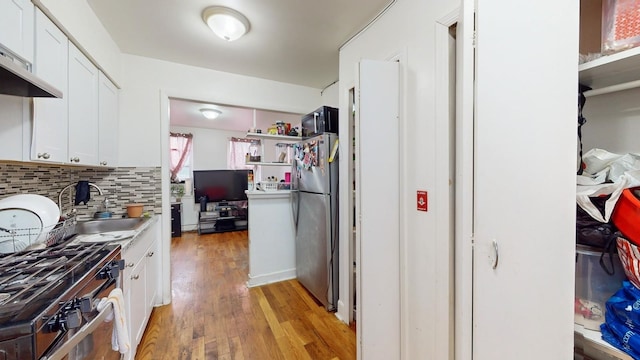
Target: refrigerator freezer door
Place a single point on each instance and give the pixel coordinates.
(314, 260)
(312, 170)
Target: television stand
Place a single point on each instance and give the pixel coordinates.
(226, 216)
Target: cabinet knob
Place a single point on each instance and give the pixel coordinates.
(130, 264)
(75, 159)
(103, 163)
(135, 277)
(43, 156)
(150, 254)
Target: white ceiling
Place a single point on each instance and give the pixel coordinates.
(293, 41)
(186, 113)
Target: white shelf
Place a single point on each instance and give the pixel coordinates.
(273, 137)
(268, 163)
(611, 70)
(594, 339)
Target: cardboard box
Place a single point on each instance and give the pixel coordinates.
(590, 26)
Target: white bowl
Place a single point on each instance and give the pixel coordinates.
(45, 208)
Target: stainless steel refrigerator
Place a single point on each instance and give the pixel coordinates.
(315, 209)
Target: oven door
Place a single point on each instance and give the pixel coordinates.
(91, 341)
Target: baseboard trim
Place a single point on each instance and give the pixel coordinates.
(271, 278)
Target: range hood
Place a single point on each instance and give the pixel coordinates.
(18, 81)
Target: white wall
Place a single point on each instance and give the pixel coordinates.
(613, 122)
(330, 95)
(407, 31)
(145, 78)
(209, 146)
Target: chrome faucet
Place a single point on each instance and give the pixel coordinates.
(69, 186)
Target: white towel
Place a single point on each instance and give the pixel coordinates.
(120, 335)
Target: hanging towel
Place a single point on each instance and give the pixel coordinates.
(82, 192)
(120, 335)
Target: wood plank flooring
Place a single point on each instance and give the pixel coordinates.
(213, 315)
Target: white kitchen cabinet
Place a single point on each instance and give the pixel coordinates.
(524, 164)
(16, 27)
(108, 121)
(50, 115)
(83, 109)
(141, 282)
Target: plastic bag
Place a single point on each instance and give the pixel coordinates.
(606, 173)
(622, 319)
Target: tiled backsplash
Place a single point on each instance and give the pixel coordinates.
(121, 186)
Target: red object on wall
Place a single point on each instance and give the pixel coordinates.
(422, 200)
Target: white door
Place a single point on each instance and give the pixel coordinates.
(83, 109)
(524, 181)
(108, 121)
(16, 27)
(378, 199)
(50, 124)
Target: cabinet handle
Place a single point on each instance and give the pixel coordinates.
(135, 277)
(75, 159)
(130, 264)
(43, 156)
(150, 254)
(103, 163)
(496, 254)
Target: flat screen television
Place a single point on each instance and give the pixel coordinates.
(220, 185)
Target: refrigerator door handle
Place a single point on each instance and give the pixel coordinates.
(295, 208)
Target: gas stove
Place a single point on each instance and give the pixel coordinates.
(47, 293)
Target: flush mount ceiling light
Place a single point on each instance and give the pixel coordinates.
(210, 113)
(225, 22)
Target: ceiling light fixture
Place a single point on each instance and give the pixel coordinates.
(225, 22)
(210, 114)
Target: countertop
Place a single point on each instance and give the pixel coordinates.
(259, 194)
(125, 243)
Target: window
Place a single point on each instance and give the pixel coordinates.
(237, 154)
(181, 155)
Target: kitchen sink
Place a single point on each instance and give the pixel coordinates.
(105, 225)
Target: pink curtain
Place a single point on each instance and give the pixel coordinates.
(237, 154)
(179, 147)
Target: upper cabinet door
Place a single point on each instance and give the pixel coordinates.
(525, 166)
(50, 125)
(16, 27)
(83, 109)
(108, 122)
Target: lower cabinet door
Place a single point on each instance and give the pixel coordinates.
(137, 303)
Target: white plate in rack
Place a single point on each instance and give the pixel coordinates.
(107, 236)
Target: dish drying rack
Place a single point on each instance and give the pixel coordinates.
(61, 231)
(13, 240)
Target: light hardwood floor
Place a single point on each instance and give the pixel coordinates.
(213, 315)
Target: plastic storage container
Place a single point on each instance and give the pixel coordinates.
(620, 25)
(594, 286)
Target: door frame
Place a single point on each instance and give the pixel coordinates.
(455, 146)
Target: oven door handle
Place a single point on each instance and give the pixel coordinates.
(64, 350)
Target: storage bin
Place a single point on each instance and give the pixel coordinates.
(620, 25)
(594, 286)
